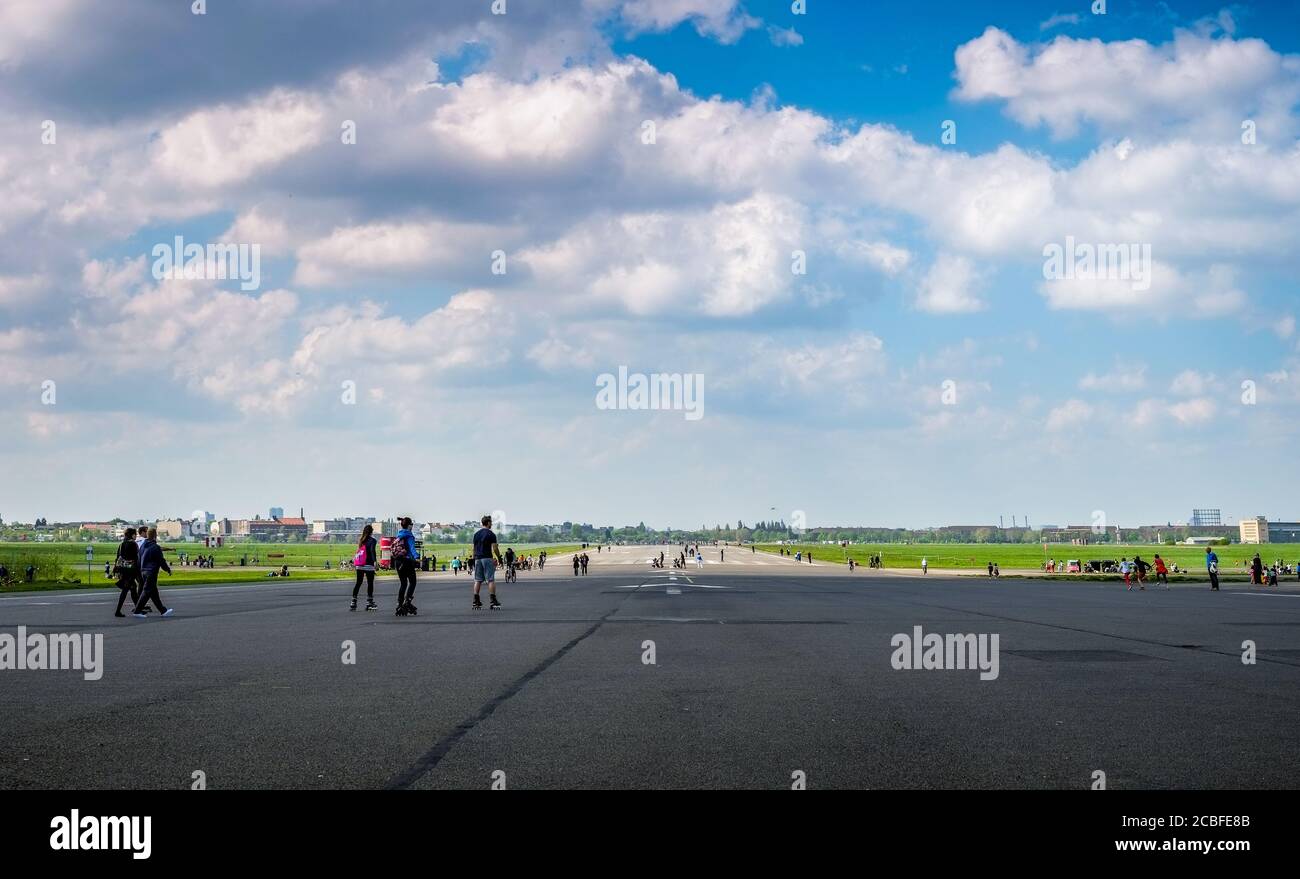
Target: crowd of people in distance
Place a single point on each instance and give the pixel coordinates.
(513, 562)
(873, 561)
(140, 560)
(1136, 572)
(1262, 574)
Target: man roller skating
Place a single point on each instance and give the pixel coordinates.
(485, 550)
(405, 560)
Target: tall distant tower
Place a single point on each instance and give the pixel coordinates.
(277, 512)
(1205, 518)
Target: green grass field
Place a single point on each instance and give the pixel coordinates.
(63, 565)
(1031, 556)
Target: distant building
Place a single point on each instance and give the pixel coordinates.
(262, 529)
(1284, 532)
(1258, 529)
(278, 529)
(173, 529)
(1254, 530)
(1080, 535)
(337, 530)
(1205, 518)
(277, 512)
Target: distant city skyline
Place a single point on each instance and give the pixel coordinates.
(1227, 521)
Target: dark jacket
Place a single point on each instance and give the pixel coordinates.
(130, 553)
(151, 558)
(371, 551)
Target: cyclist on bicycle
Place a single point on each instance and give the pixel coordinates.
(510, 563)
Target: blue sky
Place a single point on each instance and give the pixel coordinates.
(775, 133)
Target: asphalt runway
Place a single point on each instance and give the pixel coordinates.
(763, 668)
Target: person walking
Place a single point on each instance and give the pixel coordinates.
(1140, 567)
(364, 562)
(1256, 571)
(1124, 569)
(151, 562)
(576, 564)
(925, 565)
(127, 568)
(405, 559)
(485, 550)
(141, 535)
(1212, 566)
(585, 559)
